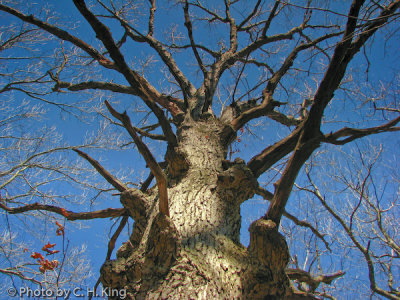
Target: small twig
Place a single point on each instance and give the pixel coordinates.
(267, 195)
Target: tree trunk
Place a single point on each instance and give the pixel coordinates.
(196, 253)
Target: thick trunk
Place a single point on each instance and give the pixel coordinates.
(196, 253)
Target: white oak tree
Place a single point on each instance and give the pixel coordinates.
(260, 63)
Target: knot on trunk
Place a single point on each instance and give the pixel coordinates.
(136, 203)
(177, 163)
(267, 245)
(163, 245)
(113, 274)
(228, 135)
(238, 176)
(269, 255)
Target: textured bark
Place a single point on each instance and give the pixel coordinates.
(196, 253)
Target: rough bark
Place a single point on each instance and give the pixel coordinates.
(196, 253)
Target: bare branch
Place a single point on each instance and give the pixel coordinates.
(151, 17)
(272, 154)
(103, 172)
(188, 25)
(15, 272)
(95, 85)
(352, 134)
(187, 88)
(62, 34)
(148, 93)
(270, 17)
(365, 250)
(233, 40)
(268, 104)
(310, 137)
(69, 215)
(111, 242)
(312, 281)
(344, 52)
(267, 195)
(251, 15)
(148, 157)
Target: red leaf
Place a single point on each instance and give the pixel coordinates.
(37, 255)
(54, 263)
(48, 246)
(60, 229)
(51, 252)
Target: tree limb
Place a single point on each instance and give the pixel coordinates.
(251, 15)
(268, 104)
(111, 242)
(62, 34)
(148, 157)
(94, 85)
(103, 172)
(311, 136)
(148, 93)
(267, 195)
(272, 15)
(272, 154)
(69, 215)
(13, 272)
(353, 133)
(187, 88)
(312, 281)
(188, 25)
(334, 73)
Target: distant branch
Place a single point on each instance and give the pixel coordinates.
(15, 272)
(365, 250)
(350, 134)
(313, 282)
(267, 195)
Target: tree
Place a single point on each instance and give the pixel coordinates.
(286, 61)
(368, 223)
